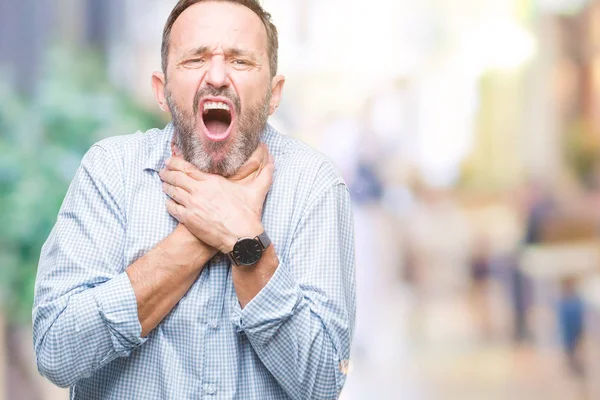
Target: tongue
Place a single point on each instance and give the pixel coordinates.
(216, 127)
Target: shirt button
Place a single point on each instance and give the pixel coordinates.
(217, 259)
(210, 389)
(213, 324)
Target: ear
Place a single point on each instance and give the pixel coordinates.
(276, 89)
(158, 87)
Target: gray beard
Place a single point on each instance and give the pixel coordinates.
(250, 125)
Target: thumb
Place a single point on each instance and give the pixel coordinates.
(246, 171)
(249, 171)
(264, 179)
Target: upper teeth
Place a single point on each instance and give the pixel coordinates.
(215, 105)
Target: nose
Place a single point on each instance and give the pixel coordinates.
(217, 74)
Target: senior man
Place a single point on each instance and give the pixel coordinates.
(211, 259)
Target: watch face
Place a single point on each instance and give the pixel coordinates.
(247, 251)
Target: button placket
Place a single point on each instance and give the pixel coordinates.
(213, 311)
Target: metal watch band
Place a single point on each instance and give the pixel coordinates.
(264, 240)
(232, 259)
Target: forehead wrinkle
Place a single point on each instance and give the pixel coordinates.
(196, 51)
(193, 17)
(236, 51)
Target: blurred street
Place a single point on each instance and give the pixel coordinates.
(468, 136)
(447, 345)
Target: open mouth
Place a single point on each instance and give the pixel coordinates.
(217, 117)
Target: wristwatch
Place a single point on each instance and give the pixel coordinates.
(248, 251)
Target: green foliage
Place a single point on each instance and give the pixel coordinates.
(42, 141)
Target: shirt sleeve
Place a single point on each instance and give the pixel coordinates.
(85, 309)
(300, 324)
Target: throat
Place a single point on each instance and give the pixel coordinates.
(217, 123)
(216, 127)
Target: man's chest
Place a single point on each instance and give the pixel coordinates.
(148, 222)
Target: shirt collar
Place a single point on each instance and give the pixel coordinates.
(159, 148)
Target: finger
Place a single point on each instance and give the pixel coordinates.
(245, 170)
(176, 210)
(257, 172)
(179, 164)
(270, 161)
(177, 194)
(254, 163)
(261, 154)
(264, 179)
(178, 179)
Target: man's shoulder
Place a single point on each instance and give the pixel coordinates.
(122, 144)
(129, 152)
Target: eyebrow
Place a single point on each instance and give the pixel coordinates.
(232, 52)
(196, 52)
(229, 52)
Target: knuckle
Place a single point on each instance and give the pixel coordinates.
(183, 212)
(171, 208)
(164, 176)
(195, 190)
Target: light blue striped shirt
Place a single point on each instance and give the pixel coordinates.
(291, 341)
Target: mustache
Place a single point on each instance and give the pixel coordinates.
(211, 91)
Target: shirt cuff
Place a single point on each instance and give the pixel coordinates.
(274, 304)
(117, 305)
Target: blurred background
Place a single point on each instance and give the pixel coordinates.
(468, 132)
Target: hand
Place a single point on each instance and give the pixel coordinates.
(216, 210)
(253, 165)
